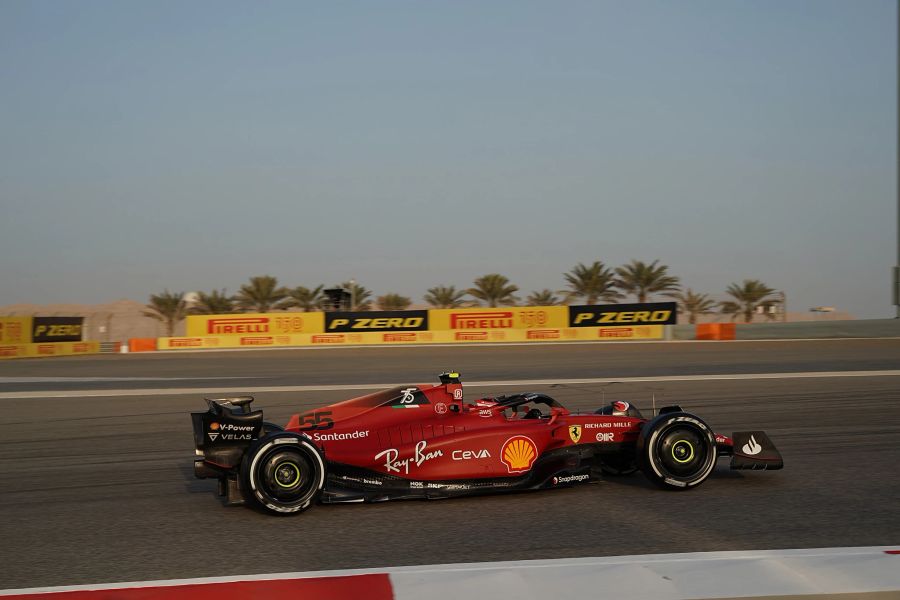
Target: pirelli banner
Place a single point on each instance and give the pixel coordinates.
(15, 330)
(623, 315)
(255, 324)
(48, 349)
(611, 322)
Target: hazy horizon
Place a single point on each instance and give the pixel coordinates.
(190, 146)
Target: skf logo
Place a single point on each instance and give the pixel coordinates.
(482, 320)
(232, 325)
(518, 454)
(575, 433)
(256, 341)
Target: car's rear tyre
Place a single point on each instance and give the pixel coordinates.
(283, 473)
(677, 451)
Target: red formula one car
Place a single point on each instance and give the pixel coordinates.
(425, 441)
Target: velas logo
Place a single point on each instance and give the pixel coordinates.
(575, 433)
(518, 453)
(500, 319)
(231, 325)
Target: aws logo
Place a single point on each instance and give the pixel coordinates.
(657, 313)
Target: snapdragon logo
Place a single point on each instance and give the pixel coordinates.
(569, 479)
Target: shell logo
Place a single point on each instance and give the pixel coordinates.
(518, 453)
(213, 425)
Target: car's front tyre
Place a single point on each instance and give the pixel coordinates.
(283, 473)
(677, 451)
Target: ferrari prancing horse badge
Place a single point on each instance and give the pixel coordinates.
(575, 433)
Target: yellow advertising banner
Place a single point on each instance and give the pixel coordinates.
(15, 330)
(498, 319)
(253, 324)
(367, 338)
(48, 349)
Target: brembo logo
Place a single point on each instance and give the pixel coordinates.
(237, 325)
(482, 320)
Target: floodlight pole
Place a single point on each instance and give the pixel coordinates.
(352, 294)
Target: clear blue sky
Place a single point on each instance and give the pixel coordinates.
(190, 145)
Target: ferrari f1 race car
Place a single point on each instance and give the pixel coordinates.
(426, 441)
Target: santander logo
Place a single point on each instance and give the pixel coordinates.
(751, 448)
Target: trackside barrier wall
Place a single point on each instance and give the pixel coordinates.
(860, 328)
(646, 332)
(40, 337)
(48, 349)
(437, 326)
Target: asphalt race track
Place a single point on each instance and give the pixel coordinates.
(100, 488)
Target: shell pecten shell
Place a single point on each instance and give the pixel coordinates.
(518, 453)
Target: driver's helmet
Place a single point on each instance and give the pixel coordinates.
(620, 408)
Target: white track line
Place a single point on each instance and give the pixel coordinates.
(688, 575)
(499, 383)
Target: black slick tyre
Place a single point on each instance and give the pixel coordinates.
(676, 451)
(283, 473)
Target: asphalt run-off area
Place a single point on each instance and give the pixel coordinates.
(97, 483)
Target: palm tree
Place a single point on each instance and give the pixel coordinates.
(747, 297)
(393, 302)
(262, 294)
(641, 279)
(494, 289)
(305, 298)
(168, 308)
(693, 304)
(445, 297)
(217, 302)
(360, 297)
(593, 283)
(544, 297)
